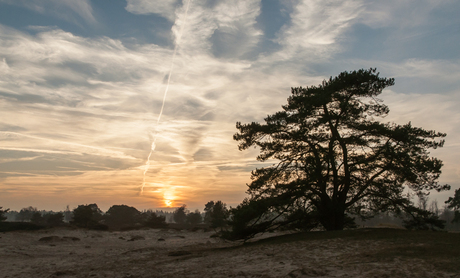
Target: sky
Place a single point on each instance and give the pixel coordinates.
(82, 85)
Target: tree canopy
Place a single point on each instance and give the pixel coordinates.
(2, 214)
(154, 221)
(52, 219)
(216, 214)
(87, 216)
(26, 214)
(180, 215)
(332, 157)
(454, 203)
(119, 216)
(194, 218)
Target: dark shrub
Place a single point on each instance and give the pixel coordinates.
(19, 226)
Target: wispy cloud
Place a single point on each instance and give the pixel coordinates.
(400, 14)
(316, 26)
(166, 8)
(54, 146)
(69, 10)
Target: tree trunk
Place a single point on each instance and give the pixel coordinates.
(332, 216)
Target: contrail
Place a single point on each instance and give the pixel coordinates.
(152, 148)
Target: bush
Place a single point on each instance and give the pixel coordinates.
(2, 214)
(19, 226)
(37, 218)
(87, 216)
(180, 215)
(194, 218)
(420, 219)
(155, 221)
(26, 214)
(122, 216)
(54, 219)
(454, 203)
(216, 214)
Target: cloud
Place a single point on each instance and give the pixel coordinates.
(56, 146)
(400, 14)
(442, 71)
(63, 9)
(316, 25)
(223, 29)
(166, 8)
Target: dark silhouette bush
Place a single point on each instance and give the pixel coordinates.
(180, 215)
(37, 218)
(122, 216)
(216, 214)
(454, 203)
(54, 219)
(26, 214)
(420, 219)
(19, 226)
(152, 220)
(193, 218)
(87, 216)
(2, 214)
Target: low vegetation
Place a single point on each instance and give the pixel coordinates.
(440, 249)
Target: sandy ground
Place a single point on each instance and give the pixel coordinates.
(170, 253)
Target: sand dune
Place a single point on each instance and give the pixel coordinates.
(170, 253)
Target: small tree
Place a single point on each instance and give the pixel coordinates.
(194, 218)
(421, 219)
(154, 221)
(67, 214)
(180, 215)
(216, 214)
(434, 208)
(454, 203)
(25, 214)
(86, 216)
(2, 214)
(37, 218)
(54, 219)
(207, 212)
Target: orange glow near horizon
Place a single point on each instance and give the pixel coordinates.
(168, 198)
(168, 203)
(168, 195)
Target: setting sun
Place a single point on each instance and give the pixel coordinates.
(168, 203)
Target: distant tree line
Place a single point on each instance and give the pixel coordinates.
(119, 217)
(215, 216)
(426, 215)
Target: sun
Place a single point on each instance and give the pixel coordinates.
(168, 197)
